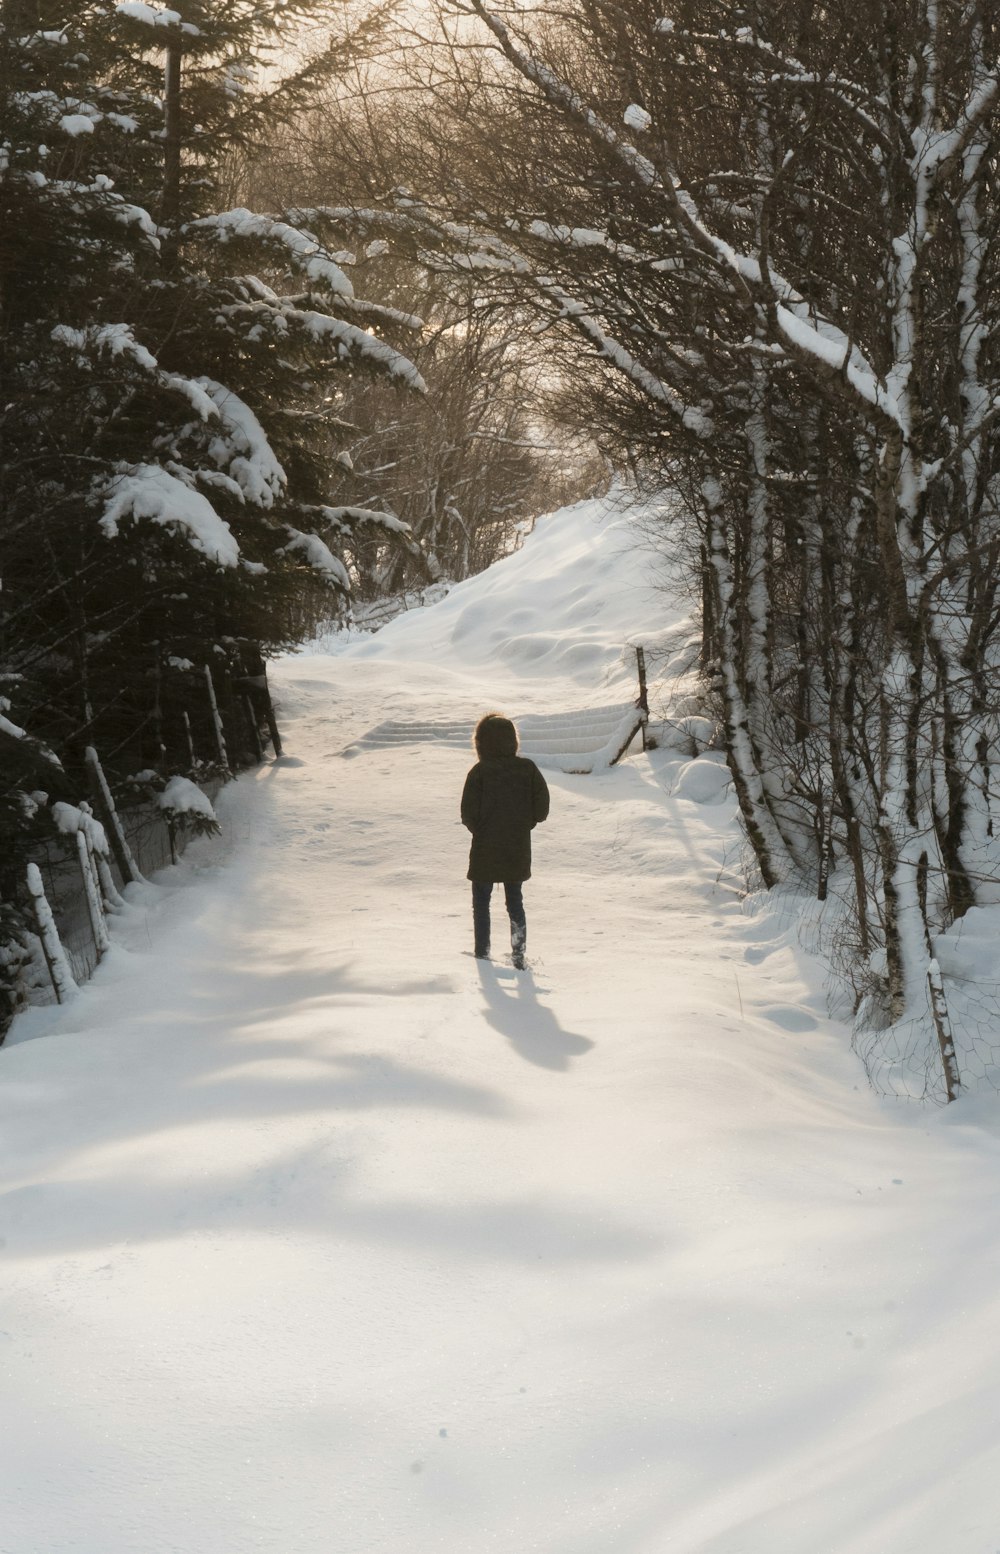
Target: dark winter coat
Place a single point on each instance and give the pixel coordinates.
(505, 796)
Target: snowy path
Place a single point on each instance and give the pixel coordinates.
(320, 1238)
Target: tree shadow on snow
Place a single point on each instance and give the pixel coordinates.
(531, 1028)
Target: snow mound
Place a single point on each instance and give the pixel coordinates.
(704, 780)
(548, 636)
(582, 587)
(968, 951)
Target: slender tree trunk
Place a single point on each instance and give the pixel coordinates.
(765, 837)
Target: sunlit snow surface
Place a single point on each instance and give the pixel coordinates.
(322, 1238)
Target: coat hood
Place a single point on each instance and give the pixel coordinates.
(495, 735)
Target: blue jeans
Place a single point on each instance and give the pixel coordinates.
(482, 890)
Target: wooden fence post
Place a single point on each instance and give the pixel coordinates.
(220, 735)
(251, 715)
(111, 901)
(58, 966)
(190, 741)
(95, 910)
(254, 683)
(107, 812)
(271, 720)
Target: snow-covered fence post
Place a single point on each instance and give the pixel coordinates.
(255, 686)
(190, 740)
(95, 909)
(113, 901)
(58, 966)
(99, 852)
(942, 1025)
(220, 736)
(171, 836)
(251, 716)
(272, 722)
(109, 815)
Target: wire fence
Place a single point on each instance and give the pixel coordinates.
(71, 880)
(153, 842)
(903, 1059)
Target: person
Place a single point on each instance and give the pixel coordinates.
(504, 798)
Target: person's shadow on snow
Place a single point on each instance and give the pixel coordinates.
(513, 1009)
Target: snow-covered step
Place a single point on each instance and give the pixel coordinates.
(395, 732)
(578, 741)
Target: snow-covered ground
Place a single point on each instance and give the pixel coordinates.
(320, 1237)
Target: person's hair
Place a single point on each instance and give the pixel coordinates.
(495, 735)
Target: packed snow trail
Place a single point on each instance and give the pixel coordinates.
(322, 1238)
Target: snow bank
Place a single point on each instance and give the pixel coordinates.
(569, 606)
(564, 606)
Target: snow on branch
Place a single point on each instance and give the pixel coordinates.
(693, 418)
(809, 341)
(182, 799)
(307, 256)
(58, 37)
(347, 517)
(117, 340)
(242, 446)
(110, 339)
(302, 252)
(118, 209)
(562, 94)
(937, 151)
(319, 556)
(155, 16)
(351, 342)
(11, 730)
(577, 237)
(385, 314)
(70, 115)
(147, 491)
(780, 68)
(486, 250)
(825, 346)
(412, 219)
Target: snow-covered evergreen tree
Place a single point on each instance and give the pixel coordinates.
(165, 363)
